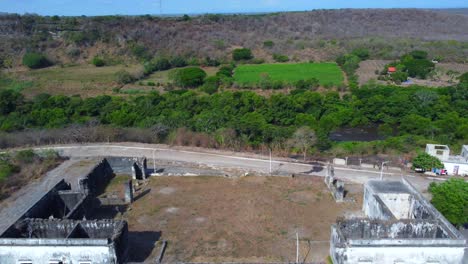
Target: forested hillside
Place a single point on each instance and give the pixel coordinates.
(316, 35)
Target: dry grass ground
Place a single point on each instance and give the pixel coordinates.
(252, 219)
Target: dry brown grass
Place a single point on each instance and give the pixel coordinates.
(247, 219)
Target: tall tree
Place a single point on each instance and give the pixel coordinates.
(304, 138)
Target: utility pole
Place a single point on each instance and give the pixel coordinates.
(154, 162)
(270, 161)
(381, 170)
(297, 247)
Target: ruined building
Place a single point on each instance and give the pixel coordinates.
(55, 230)
(401, 227)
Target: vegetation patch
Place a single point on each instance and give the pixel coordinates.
(326, 73)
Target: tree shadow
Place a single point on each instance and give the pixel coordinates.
(141, 245)
(316, 167)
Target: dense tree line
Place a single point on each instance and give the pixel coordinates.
(435, 114)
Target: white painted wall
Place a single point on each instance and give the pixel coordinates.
(69, 255)
(450, 167)
(409, 255)
(398, 203)
(337, 161)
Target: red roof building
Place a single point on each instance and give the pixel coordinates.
(391, 69)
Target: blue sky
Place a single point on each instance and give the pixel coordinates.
(138, 7)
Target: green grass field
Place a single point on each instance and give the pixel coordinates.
(326, 73)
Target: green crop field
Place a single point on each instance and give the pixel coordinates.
(326, 73)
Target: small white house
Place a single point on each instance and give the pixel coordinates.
(441, 152)
(455, 165)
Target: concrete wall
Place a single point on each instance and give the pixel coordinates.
(398, 203)
(337, 161)
(452, 170)
(374, 207)
(97, 179)
(126, 165)
(70, 254)
(395, 254)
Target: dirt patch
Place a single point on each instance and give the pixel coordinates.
(167, 190)
(249, 219)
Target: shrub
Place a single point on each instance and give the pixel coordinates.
(312, 83)
(463, 78)
(98, 61)
(150, 84)
(225, 71)
(35, 60)
(399, 77)
(426, 162)
(362, 53)
(257, 61)
(7, 169)
(419, 67)
(211, 85)
(178, 62)
(268, 44)
(451, 199)
(242, 54)
(419, 54)
(280, 58)
(25, 156)
(124, 77)
(189, 77)
(140, 52)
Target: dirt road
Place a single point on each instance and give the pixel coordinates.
(223, 159)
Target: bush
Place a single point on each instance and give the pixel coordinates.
(268, 44)
(312, 83)
(419, 67)
(225, 71)
(124, 77)
(399, 77)
(463, 78)
(140, 52)
(427, 162)
(178, 61)
(451, 199)
(280, 58)
(150, 84)
(25, 156)
(362, 53)
(211, 85)
(189, 77)
(35, 61)
(98, 61)
(7, 169)
(242, 54)
(419, 54)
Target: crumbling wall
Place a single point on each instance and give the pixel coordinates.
(398, 203)
(70, 241)
(97, 179)
(78, 204)
(377, 229)
(374, 207)
(391, 255)
(135, 166)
